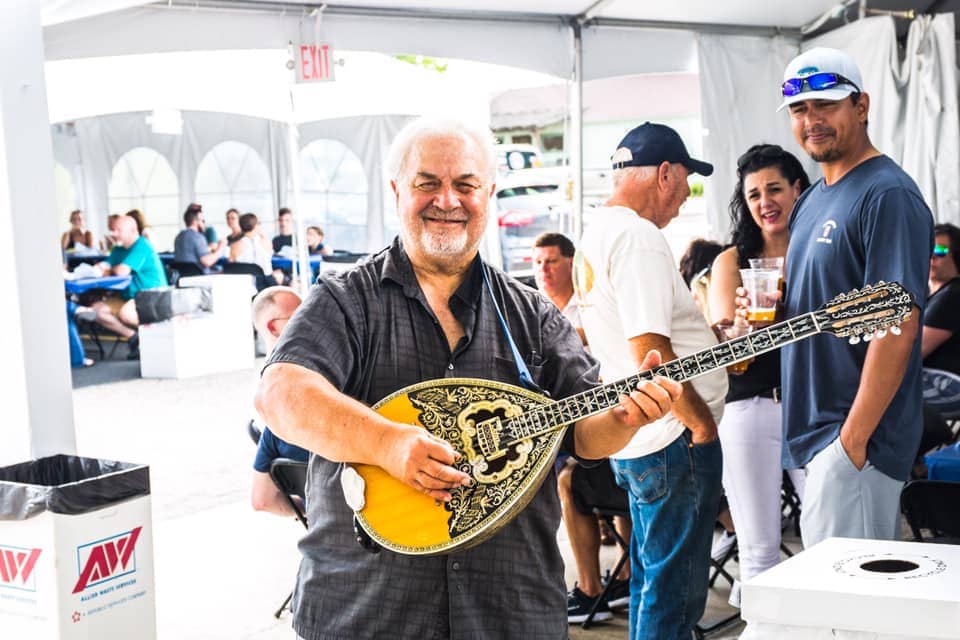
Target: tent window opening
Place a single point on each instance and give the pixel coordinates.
(143, 179)
(233, 175)
(334, 193)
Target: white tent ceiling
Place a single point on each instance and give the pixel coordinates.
(783, 14)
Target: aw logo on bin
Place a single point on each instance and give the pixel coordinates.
(106, 559)
(16, 568)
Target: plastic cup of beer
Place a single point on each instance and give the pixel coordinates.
(727, 330)
(767, 263)
(762, 287)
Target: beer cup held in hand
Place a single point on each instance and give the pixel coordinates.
(728, 331)
(762, 286)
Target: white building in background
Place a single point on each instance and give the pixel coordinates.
(611, 107)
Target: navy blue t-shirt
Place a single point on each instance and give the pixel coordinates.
(271, 447)
(870, 225)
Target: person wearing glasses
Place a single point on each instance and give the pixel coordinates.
(940, 342)
(769, 181)
(851, 410)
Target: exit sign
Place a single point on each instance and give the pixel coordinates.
(314, 63)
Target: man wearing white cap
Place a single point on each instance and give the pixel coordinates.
(851, 412)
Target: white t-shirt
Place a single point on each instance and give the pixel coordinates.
(627, 284)
(572, 312)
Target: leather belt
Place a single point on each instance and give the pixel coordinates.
(773, 394)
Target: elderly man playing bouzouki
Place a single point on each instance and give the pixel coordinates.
(428, 309)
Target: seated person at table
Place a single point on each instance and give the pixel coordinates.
(107, 243)
(191, 246)
(272, 309)
(233, 225)
(78, 237)
(131, 256)
(253, 248)
(315, 242)
(940, 333)
(285, 227)
(142, 227)
(940, 341)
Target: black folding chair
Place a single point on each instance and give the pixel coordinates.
(177, 270)
(608, 514)
(253, 431)
(260, 280)
(932, 505)
(290, 476)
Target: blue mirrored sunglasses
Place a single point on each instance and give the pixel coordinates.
(816, 82)
(939, 250)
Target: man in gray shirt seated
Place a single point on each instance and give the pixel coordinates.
(190, 245)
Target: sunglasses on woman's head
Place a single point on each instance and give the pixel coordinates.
(816, 82)
(767, 152)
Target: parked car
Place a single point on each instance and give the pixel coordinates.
(528, 203)
(516, 157)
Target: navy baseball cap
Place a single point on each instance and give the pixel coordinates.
(650, 144)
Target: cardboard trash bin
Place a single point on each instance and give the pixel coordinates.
(76, 550)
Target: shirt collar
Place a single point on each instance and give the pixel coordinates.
(397, 267)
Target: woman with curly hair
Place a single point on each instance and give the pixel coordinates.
(769, 181)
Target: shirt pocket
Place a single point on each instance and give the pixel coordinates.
(505, 370)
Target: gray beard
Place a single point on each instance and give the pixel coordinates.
(443, 244)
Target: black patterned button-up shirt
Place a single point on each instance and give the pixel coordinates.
(370, 332)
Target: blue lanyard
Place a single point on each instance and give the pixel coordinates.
(525, 378)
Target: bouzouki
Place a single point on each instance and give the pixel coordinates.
(509, 436)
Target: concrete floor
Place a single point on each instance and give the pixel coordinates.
(222, 569)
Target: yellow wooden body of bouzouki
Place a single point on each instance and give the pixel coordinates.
(404, 520)
(509, 436)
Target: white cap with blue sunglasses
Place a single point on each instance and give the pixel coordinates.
(820, 74)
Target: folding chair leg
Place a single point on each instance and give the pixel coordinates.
(624, 556)
(283, 606)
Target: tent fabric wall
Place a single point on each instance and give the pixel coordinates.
(739, 76)
(913, 101)
(542, 46)
(618, 51)
(99, 142)
(369, 137)
(91, 147)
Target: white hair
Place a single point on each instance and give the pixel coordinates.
(427, 127)
(638, 174)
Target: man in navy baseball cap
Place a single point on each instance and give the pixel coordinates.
(632, 298)
(651, 144)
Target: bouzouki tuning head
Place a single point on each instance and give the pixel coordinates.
(881, 334)
(854, 339)
(895, 330)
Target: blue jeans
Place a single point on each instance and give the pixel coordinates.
(674, 499)
(77, 353)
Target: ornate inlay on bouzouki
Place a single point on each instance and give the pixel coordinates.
(509, 436)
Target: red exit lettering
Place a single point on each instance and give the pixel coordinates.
(315, 62)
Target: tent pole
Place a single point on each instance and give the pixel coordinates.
(576, 130)
(299, 230)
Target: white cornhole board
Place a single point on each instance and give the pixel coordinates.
(863, 589)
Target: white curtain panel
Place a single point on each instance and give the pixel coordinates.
(740, 78)
(931, 149)
(913, 99)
